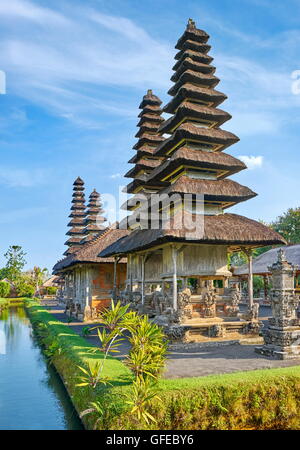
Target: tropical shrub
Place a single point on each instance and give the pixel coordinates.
(24, 289)
(146, 359)
(51, 290)
(4, 289)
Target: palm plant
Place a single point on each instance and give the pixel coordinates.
(140, 399)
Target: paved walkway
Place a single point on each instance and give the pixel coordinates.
(200, 362)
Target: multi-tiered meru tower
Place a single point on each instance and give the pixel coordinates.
(94, 219)
(77, 223)
(145, 160)
(192, 161)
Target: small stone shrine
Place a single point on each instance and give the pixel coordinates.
(282, 335)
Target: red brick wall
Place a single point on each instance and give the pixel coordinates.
(103, 283)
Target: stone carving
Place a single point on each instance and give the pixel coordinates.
(185, 309)
(209, 300)
(176, 333)
(282, 336)
(252, 313)
(87, 313)
(216, 331)
(77, 310)
(252, 328)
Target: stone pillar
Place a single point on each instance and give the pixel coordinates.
(265, 288)
(248, 253)
(174, 258)
(115, 279)
(143, 279)
(282, 335)
(87, 315)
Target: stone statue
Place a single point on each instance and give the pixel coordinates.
(185, 309)
(210, 300)
(282, 336)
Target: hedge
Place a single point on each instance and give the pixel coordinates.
(261, 399)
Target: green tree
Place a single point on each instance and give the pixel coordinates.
(288, 225)
(15, 262)
(4, 289)
(39, 276)
(24, 287)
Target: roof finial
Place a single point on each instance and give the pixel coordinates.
(191, 25)
(149, 92)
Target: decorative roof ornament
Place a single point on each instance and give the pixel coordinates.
(191, 25)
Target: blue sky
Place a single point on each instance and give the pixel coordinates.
(76, 72)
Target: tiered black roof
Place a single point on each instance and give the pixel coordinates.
(77, 223)
(94, 217)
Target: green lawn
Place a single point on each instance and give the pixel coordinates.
(261, 399)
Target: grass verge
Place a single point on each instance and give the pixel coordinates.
(261, 399)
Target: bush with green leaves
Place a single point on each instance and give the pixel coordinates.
(51, 290)
(146, 358)
(24, 289)
(4, 289)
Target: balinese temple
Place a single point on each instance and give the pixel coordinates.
(77, 216)
(94, 220)
(181, 267)
(144, 160)
(89, 280)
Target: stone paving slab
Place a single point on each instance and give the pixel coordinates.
(211, 360)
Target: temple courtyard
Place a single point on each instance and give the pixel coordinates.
(211, 358)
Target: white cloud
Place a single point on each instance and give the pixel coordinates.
(67, 68)
(27, 10)
(116, 175)
(252, 162)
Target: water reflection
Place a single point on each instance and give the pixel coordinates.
(32, 395)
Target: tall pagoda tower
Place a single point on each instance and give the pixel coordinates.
(192, 160)
(77, 222)
(195, 159)
(94, 219)
(145, 160)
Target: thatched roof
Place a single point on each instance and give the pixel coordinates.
(189, 44)
(213, 190)
(192, 110)
(151, 109)
(188, 90)
(227, 229)
(199, 158)
(148, 139)
(150, 99)
(147, 127)
(190, 76)
(147, 117)
(195, 56)
(88, 253)
(140, 165)
(143, 151)
(192, 132)
(194, 66)
(194, 34)
(142, 180)
(262, 263)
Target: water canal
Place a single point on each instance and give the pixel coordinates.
(32, 396)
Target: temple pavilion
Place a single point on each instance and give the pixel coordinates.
(184, 250)
(89, 280)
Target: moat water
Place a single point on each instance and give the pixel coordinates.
(32, 395)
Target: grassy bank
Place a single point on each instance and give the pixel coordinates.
(68, 351)
(262, 399)
(6, 302)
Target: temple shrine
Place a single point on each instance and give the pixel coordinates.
(177, 250)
